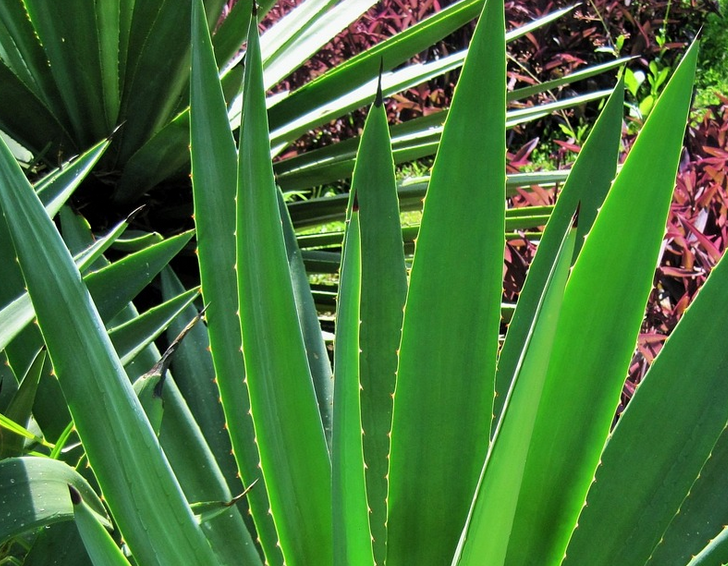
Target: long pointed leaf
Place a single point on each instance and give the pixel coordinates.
(716, 552)
(318, 357)
(70, 37)
(98, 542)
(485, 539)
(195, 376)
(444, 392)
(613, 273)
(118, 439)
(294, 460)
(383, 293)
(214, 185)
(352, 536)
(34, 493)
(703, 512)
(588, 184)
(663, 439)
(20, 408)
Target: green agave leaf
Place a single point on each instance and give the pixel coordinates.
(400, 80)
(587, 184)
(159, 31)
(664, 460)
(351, 531)
(150, 385)
(214, 183)
(444, 391)
(14, 318)
(294, 460)
(613, 274)
(368, 335)
(126, 14)
(18, 314)
(165, 154)
(161, 157)
(56, 544)
(302, 32)
(11, 283)
(89, 251)
(486, 535)
(331, 88)
(191, 459)
(703, 512)
(383, 293)
(63, 439)
(27, 118)
(53, 191)
(101, 548)
(156, 133)
(135, 240)
(231, 33)
(392, 83)
(156, 31)
(8, 382)
(113, 286)
(202, 480)
(39, 116)
(18, 431)
(189, 455)
(207, 510)
(316, 353)
(25, 53)
(108, 29)
(516, 219)
(715, 553)
(194, 374)
(34, 493)
(213, 10)
(411, 192)
(395, 51)
(118, 440)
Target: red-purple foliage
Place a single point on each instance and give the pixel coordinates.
(696, 237)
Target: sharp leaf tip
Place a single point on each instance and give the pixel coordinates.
(378, 99)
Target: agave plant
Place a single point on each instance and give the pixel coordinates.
(73, 76)
(433, 443)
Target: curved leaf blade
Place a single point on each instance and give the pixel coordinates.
(214, 185)
(485, 538)
(383, 293)
(352, 535)
(34, 493)
(294, 460)
(614, 273)
(118, 439)
(587, 184)
(101, 548)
